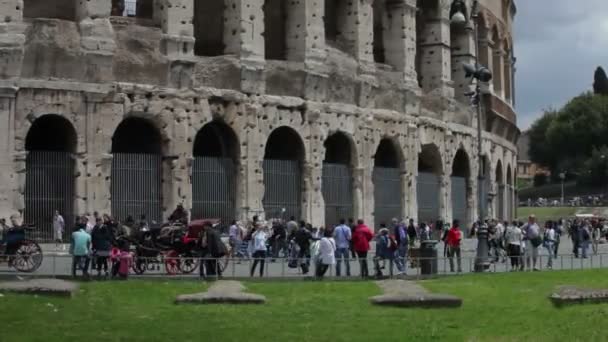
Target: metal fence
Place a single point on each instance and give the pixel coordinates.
(337, 188)
(136, 186)
(275, 268)
(213, 188)
(283, 188)
(387, 194)
(49, 186)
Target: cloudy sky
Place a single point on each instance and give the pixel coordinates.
(558, 45)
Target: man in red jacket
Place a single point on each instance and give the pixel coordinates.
(361, 238)
(453, 240)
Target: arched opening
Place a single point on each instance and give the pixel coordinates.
(337, 185)
(283, 160)
(214, 172)
(275, 29)
(379, 11)
(497, 62)
(427, 45)
(500, 183)
(428, 183)
(136, 170)
(336, 21)
(387, 182)
(510, 198)
(461, 188)
(60, 9)
(209, 27)
(49, 173)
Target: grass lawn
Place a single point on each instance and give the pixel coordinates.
(554, 213)
(497, 307)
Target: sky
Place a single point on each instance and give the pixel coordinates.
(558, 45)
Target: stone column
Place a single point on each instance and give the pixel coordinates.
(243, 36)
(463, 51)
(177, 165)
(8, 184)
(306, 43)
(399, 25)
(252, 171)
(498, 70)
(445, 197)
(411, 172)
(12, 38)
(435, 54)
(358, 192)
(97, 38)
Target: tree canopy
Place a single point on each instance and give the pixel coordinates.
(600, 82)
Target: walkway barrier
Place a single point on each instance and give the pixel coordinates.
(60, 265)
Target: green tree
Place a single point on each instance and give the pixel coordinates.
(595, 170)
(539, 150)
(600, 82)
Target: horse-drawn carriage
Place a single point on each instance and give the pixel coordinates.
(21, 253)
(173, 245)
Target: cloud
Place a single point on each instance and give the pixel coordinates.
(558, 45)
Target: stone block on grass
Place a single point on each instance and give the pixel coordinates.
(222, 292)
(572, 295)
(48, 287)
(406, 294)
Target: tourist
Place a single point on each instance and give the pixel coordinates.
(513, 239)
(102, 244)
(361, 238)
(125, 261)
(234, 238)
(424, 232)
(574, 236)
(495, 233)
(327, 253)
(596, 233)
(533, 240)
(343, 236)
(302, 238)
(292, 226)
(584, 236)
(353, 226)
(58, 229)
(259, 238)
(454, 241)
(549, 241)
(385, 250)
(212, 248)
(279, 237)
(80, 250)
(401, 237)
(179, 215)
(559, 230)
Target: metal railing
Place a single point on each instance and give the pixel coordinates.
(60, 265)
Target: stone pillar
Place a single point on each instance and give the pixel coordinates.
(411, 173)
(12, 38)
(445, 197)
(399, 25)
(463, 51)
(359, 193)
(306, 43)
(8, 183)
(97, 38)
(243, 36)
(177, 164)
(498, 71)
(435, 54)
(252, 171)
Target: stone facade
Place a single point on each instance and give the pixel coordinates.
(383, 69)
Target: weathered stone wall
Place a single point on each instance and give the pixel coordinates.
(98, 70)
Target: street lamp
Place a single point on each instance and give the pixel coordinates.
(478, 74)
(562, 176)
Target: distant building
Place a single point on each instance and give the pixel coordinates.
(526, 169)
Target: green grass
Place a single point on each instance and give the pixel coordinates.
(554, 213)
(497, 307)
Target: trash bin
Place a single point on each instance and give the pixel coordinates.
(428, 257)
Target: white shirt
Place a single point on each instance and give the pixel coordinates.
(550, 234)
(327, 251)
(514, 236)
(58, 222)
(259, 240)
(234, 232)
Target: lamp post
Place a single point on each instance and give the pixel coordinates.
(478, 74)
(562, 177)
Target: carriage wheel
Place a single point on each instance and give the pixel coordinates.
(172, 262)
(140, 265)
(28, 257)
(188, 264)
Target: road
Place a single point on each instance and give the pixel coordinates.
(59, 263)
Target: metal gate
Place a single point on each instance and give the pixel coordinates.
(337, 188)
(136, 186)
(387, 194)
(49, 186)
(428, 197)
(459, 201)
(283, 187)
(213, 188)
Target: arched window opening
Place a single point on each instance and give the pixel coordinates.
(379, 9)
(461, 189)
(388, 196)
(428, 183)
(337, 181)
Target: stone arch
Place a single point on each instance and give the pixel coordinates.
(462, 190)
(136, 181)
(50, 179)
(337, 177)
(208, 22)
(500, 193)
(284, 157)
(215, 172)
(430, 171)
(388, 181)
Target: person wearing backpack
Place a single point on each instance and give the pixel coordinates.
(454, 241)
(401, 238)
(212, 248)
(532, 241)
(549, 241)
(385, 250)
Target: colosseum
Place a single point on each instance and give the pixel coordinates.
(319, 109)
